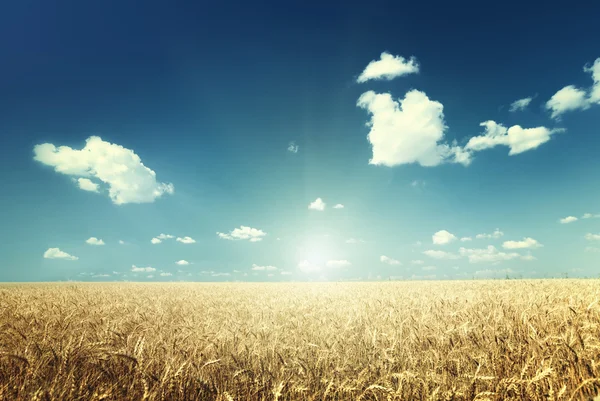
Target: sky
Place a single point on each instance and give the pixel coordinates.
(298, 141)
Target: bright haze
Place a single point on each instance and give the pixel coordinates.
(274, 141)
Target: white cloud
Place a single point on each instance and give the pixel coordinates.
(318, 204)
(165, 236)
(568, 98)
(496, 234)
(121, 242)
(94, 241)
(263, 268)
(354, 241)
(101, 275)
(443, 237)
(186, 240)
(388, 67)
(518, 139)
(87, 185)
(243, 233)
(594, 69)
(307, 267)
(528, 257)
(165, 274)
(417, 262)
(336, 264)
(429, 268)
(389, 261)
(155, 241)
(519, 105)
(488, 273)
(338, 206)
(286, 273)
(592, 237)
(524, 244)
(489, 254)
(441, 254)
(590, 216)
(182, 262)
(150, 276)
(465, 239)
(128, 180)
(292, 147)
(221, 274)
(408, 131)
(568, 219)
(148, 269)
(56, 253)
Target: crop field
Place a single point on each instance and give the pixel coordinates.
(454, 340)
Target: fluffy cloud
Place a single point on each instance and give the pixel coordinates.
(128, 180)
(155, 241)
(441, 254)
(182, 262)
(594, 69)
(518, 139)
(56, 253)
(307, 267)
(220, 274)
(148, 269)
(568, 219)
(519, 105)
(94, 241)
(592, 237)
(338, 206)
(318, 204)
(590, 216)
(186, 240)
(489, 254)
(443, 237)
(165, 236)
(336, 264)
(388, 67)
(292, 147)
(524, 244)
(389, 261)
(568, 98)
(410, 130)
(465, 239)
(496, 234)
(165, 274)
(244, 233)
(263, 268)
(87, 185)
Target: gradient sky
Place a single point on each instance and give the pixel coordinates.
(210, 97)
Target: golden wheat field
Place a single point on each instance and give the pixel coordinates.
(464, 340)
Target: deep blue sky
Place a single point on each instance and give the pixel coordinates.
(209, 96)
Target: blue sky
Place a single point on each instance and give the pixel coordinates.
(383, 105)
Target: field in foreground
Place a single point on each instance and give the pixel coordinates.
(483, 340)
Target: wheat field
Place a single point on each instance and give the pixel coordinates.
(454, 340)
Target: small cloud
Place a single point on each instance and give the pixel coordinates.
(121, 242)
(165, 236)
(336, 264)
(318, 204)
(388, 67)
(150, 276)
(528, 257)
(496, 234)
(292, 147)
(465, 239)
(244, 233)
(389, 261)
(441, 254)
(592, 237)
(307, 267)
(148, 269)
(418, 184)
(354, 241)
(56, 253)
(221, 274)
(94, 241)
(163, 274)
(520, 105)
(417, 262)
(101, 275)
(87, 185)
(338, 206)
(568, 219)
(590, 216)
(568, 98)
(429, 268)
(256, 267)
(525, 243)
(182, 262)
(155, 241)
(186, 240)
(489, 254)
(443, 237)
